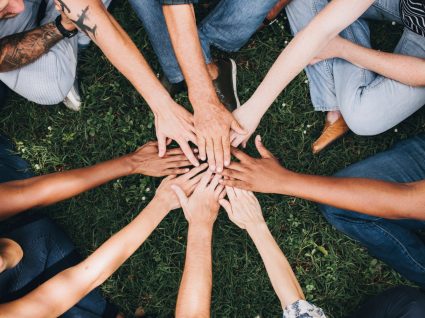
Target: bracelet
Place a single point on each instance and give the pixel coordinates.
(65, 33)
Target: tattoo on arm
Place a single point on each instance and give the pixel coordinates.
(64, 7)
(18, 50)
(83, 26)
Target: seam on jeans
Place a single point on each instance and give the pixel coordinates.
(382, 8)
(325, 108)
(404, 250)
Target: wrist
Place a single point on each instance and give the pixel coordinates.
(285, 182)
(201, 229)
(160, 206)
(256, 230)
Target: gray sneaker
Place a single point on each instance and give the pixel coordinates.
(73, 99)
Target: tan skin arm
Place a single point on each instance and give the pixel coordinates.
(19, 196)
(212, 120)
(373, 197)
(57, 295)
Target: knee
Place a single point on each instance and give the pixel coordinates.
(363, 122)
(301, 12)
(51, 93)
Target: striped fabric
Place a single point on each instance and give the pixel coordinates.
(413, 15)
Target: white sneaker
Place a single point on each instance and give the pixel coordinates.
(73, 99)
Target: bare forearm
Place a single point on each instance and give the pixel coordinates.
(48, 300)
(373, 197)
(279, 270)
(45, 190)
(91, 17)
(194, 296)
(181, 24)
(405, 69)
(18, 50)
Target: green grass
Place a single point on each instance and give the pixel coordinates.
(115, 120)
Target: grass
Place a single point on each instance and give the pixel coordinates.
(335, 273)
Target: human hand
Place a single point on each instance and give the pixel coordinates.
(201, 208)
(213, 123)
(146, 161)
(249, 121)
(332, 50)
(186, 183)
(260, 175)
(175, 123)
(65, 21)
(242, 208)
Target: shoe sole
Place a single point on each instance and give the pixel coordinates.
(234, 78)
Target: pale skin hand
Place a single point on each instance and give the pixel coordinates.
(259, 175)
(213, 122)
(244, 210)
(249, 120)
(172, 121)
(201, 210)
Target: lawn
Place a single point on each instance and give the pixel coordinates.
(335, 273)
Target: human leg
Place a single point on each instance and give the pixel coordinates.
(393, 241)
(12, 166)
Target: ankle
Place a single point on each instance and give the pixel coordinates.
(212, 70)
(333, 116)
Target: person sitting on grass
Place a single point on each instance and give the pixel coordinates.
(41, 273)
(379, 202)
(244, 210)
(362, 89)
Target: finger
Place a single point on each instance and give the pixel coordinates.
(195, 171)
(169, 140)
(218, 154)
(214, 182)
(205, 179)
(226, 150)
(235, 184)
(174, 152)
(233, 174)
(210, 154)
(177, 171)
(201, 146)
(162, 145)
(192, 138)
(179, 164)
(218, 191)
(180, 194)
(236, 166)
(240, 155)
(170, 177)
(231, 193)
(238, 128)
(222, 194)
(261, 149)
(237, 141)
(244, 144)
(227, 207)
(195, 180)
(188, 152)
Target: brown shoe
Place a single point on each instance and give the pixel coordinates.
(330, 133)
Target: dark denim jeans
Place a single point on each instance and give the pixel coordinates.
(396, 242)
(47, 249)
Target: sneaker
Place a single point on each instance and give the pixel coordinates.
(73, 99)
(225, 84)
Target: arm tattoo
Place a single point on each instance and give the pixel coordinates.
(84, 27)
(18, 50)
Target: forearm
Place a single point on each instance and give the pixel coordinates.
(181, 24)
(105, 31)
(336, 16)
(194, 296)
(405, 69)
(18, 50)
(44, 190)
(279, 270)
(64, 290)
(372, 197)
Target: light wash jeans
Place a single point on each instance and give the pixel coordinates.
(49, 79)
(370, 103)
(396, 242)
(228, 27)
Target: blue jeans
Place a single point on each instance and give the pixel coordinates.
(228, 27)
(370, 103)
(395, 242)
(47, 249)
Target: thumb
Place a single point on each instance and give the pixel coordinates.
(180, 194)
(162, 145)
(227, 206)
(261, 149)
(238, 128)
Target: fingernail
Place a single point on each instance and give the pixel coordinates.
(220, 169)
(197, 164)
(187, 169)
(226, 163)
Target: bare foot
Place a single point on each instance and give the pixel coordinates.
(333, 116)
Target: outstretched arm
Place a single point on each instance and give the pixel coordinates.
(57, 295)
(374, 197)
(18, 50)
(201, 209)
(171, 120)
(334, 18)
(18, 196)
(405, 69)
(244, 210)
